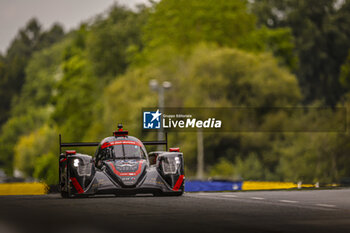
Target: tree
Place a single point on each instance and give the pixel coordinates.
(32, 108)
(31, 147)
(185, 23)
(13, 129)
(114, 40)
(322, 40)
(12, 69)
(77, 89)
(344, 78)
(46, 169)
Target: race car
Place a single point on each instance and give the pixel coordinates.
(121, 166)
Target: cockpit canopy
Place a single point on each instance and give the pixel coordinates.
(120, 148)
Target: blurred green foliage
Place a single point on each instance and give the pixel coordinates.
(115, 40)
(264, 53)
(31, 147)
(183, 23)
(29, 39)
(321, 36)
(223, 168)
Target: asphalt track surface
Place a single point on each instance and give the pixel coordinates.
(260, 211)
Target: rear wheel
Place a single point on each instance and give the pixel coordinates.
(64, 194)
(65, 184)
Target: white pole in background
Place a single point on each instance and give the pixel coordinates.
(160, 89)
(160, 106)
(200, 155)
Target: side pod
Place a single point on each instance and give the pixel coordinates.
(76, 172)
(170, 166)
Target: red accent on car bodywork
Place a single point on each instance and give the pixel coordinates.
(70, 152)
(62, 160)
(76, 185)
(178, 183)
(125, 142)
(174, 149)
(127, 173)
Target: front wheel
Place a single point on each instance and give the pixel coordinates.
(65, 184)
(176, 193)
(65, 194)
(172, 194)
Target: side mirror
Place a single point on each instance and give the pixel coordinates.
(152, 156)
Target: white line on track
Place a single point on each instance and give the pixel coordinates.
(326, 205)
(232, 197)
(206, 194)
(288, 201)
(257, 198)
(229, 195)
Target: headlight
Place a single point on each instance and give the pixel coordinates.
(170, 165)
(76, 162)
(177, 160)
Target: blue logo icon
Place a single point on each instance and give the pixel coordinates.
(151, 120)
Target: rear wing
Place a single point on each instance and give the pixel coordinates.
(83, 144)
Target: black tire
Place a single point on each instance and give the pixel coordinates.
(65, 194)
(69, 191)
(172, 194)
(177, 194)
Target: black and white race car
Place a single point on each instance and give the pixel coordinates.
(121, 166)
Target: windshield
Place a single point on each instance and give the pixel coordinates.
(121, 150)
